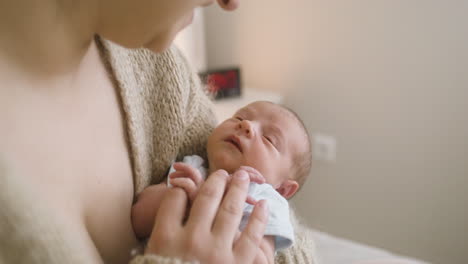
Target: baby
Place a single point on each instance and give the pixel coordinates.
(264, 139)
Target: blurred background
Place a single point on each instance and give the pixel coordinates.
(383, 87)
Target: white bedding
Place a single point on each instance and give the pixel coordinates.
(334, 250)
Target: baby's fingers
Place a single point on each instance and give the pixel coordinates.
(251, 200)
(187, 184)
(189, 171)
(255, 175)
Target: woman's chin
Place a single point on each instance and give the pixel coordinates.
(158, 46)
(160, 43)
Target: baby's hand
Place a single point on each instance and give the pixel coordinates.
(187, 178)
(255, 176)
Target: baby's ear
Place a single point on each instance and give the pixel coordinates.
(288, 188)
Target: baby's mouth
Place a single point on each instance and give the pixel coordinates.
(234, 141)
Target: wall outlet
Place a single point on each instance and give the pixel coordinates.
(324, 147)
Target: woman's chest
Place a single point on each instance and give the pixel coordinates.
(67, 139)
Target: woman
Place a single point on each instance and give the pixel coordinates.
(86, 124)
(74, 129)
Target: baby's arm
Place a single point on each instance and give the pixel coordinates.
(186, 177)
(145, 209)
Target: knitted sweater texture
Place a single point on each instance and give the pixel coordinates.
(167, 116)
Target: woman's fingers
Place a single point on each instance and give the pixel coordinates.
(169, 218)
(247, 246)
(230, 212)
(216, 222)
(207, 202)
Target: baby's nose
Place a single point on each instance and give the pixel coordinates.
(246, 127)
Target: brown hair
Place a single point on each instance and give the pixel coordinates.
(302, 160)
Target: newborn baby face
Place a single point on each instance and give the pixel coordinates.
(261, 135)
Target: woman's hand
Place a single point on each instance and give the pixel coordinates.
(208, 235)
(190, 179)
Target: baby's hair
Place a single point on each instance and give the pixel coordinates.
(302, 161)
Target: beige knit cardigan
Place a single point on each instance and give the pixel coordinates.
(167, 116)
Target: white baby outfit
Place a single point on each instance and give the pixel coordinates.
(279, 224)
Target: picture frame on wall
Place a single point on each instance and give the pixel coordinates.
(222, 83)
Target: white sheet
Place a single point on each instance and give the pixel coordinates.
(334, 250)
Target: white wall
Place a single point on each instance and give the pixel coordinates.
(388, 79)
(191, 41)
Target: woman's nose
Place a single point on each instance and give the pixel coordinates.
(246, 128)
